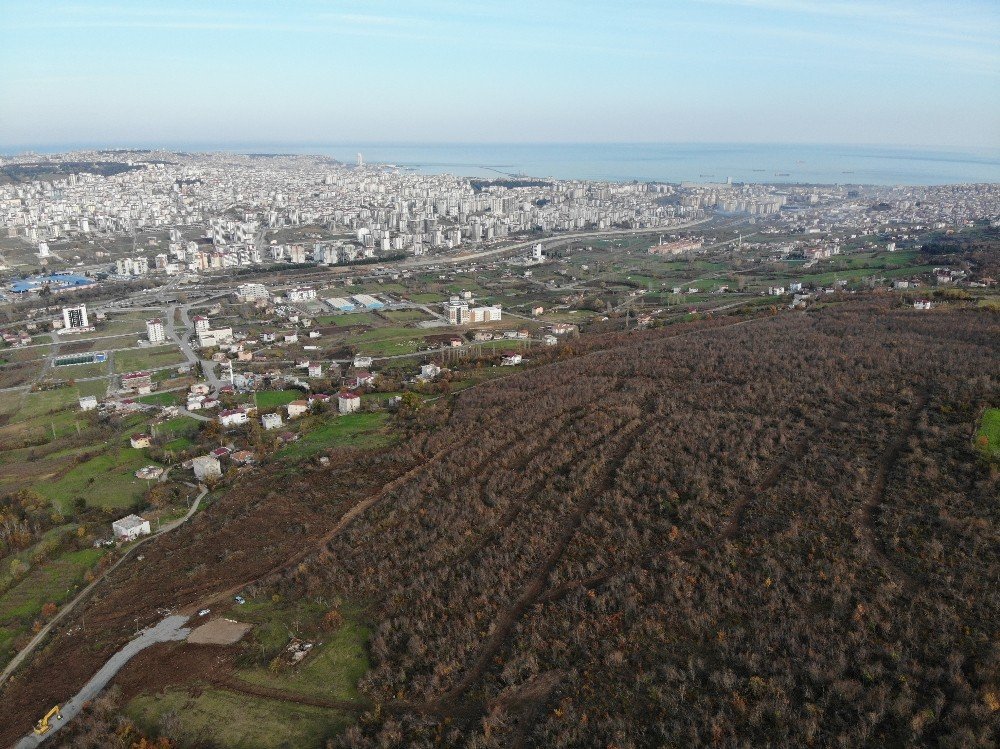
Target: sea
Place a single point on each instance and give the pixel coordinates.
(659, 162)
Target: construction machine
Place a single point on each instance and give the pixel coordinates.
(43, 725)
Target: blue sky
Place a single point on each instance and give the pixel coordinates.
(321, 71)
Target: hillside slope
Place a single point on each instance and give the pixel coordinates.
(774, 531)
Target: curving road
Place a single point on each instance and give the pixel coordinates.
(169, 629)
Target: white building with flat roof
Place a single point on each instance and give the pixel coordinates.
(130, 528)
(75, 318)
(251, 292)
(154, 331)
(212, 338)
(206, 466)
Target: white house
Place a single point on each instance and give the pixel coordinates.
(315, 369)
(922, 304)
(88, 403)
(429, 371)
(296, 408)
(130, 528)
(348, 402)
(233, 417)
(511, 360)
(271, 421)
(139, 441)
(206, 466)
(362, 362)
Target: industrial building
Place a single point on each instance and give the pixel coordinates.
(340, 304)
(367, 301)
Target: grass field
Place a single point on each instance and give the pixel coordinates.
(162, 399)
(77, 371)
(353, 430)
(388, 341)
(332, 669)
(276, 398)
(988, 435)
(134, 360)
(236, 721)
(406, 315)
(348, 318)
(97, 388)
(179, 444)
(39, 404)
(104, 481)
(53, 581)
(178, 425)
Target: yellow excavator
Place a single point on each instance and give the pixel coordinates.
(43, 725)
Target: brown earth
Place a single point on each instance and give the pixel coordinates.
(250, 532)
(218, 632)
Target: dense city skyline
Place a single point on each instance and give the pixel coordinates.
(324, 72)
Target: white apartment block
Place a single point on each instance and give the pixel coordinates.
(251, 292)
(154, 331)
(75, 318)
(132, 266)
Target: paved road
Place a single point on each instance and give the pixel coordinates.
(82, 595)
(551, 241)
(207, 366)
(169, 629)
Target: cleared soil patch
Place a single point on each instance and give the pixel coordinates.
(219, 632)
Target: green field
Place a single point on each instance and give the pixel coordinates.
(54, 581)
(275, 398)
(162, 399)
(988, 435)
(406, 315)
(348, 318)
(77, 371)
(331, 670)
(104, 481)
(97, 388)
(237, 721)
(136, 360)
(388, 341)
(39, 404)
(179, 444)
(350, 430)
(176, 426)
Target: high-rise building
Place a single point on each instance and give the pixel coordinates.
(458, 313)
(154, 330)
(75, 318)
